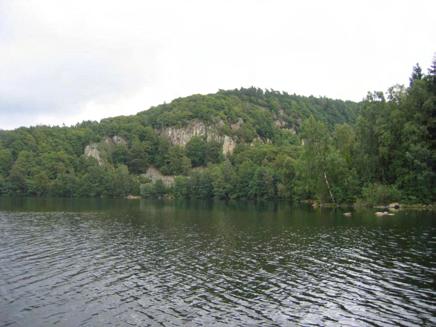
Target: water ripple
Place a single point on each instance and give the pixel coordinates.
(169, 268)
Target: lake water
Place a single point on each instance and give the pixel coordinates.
(141, 263)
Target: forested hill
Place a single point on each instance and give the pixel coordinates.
(257, 108)
(245, 143)
(244, 114)
(84, 161)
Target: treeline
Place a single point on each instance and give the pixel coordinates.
(44, 161)
(288, 147)
(50, 161)
(388, 154)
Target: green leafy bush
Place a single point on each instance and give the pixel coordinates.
(379, 194)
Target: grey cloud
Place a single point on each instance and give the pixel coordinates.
(67, 79)
(71, 60)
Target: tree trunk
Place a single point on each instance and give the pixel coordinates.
(328, 187)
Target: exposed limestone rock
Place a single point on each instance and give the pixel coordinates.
(237, 125)
(182, 135)
(229, 145)
(220, 123)
(282, 124)
(155, 175)
(91, 151)
(259, 140)
(96, 150)
(119, 140)
(108, 141)
(279, 123)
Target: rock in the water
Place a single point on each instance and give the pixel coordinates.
(381, 213)
(132, 197)
(395, 206)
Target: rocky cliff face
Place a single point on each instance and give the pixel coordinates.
(182, 135)
(229, 145)
(155, 175)
(93, 150)
(115, 140)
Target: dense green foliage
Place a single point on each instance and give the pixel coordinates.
(288, 147)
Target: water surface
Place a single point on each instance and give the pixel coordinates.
(140, 263)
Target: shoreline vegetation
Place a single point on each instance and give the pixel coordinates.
(247, 144)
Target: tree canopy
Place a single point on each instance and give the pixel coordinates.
(287, 146)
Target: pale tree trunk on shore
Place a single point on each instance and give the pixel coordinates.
(328, 187)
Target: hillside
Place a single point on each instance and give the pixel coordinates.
(59, 160)
(238, 116)
(245, 143)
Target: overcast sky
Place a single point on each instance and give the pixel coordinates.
(64, 61)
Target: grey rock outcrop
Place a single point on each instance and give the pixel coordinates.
(237, 125)
(97, 150)
(182, 135)
(92, 151)
(115, 140)
(229, 145)
(118, 140)
(155, 175)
